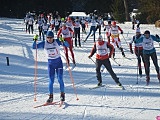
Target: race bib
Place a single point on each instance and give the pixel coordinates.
(52, 52)
(102, 51)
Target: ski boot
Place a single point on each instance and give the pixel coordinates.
(121, 86)
(123, 54)
(50, 99)
(122, 51)
(140, 72)
(99, 84)
(147, 80)
(62, 96)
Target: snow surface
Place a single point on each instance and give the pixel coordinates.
(137, 102)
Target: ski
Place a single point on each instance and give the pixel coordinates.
(46, 104)
(91, 88)
(119, 87)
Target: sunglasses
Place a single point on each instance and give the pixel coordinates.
(49, 37)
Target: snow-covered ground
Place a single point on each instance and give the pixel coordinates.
(137, 102)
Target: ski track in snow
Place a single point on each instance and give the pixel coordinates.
(137, 102)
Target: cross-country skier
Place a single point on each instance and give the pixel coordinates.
(83, 25)
(92, 28)
(138, 49)
(76, 25)
(149, 51)
(133, 22)
(114, 33)
(40, 22)
(66, 33)
(30, 24)
(102, 58)
(52, 48)
(107, 27)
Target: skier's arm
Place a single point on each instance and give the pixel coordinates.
(71, 30)
(92, 51)
(39, 45)
(111, 48)
(130, 44)
(59, 33)
(120, 30)
(64, 43)
(155, 38)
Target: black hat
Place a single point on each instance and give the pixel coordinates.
(109, 22)
(147, 32)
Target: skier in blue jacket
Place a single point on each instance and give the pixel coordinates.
(149, 51)
(55, 64)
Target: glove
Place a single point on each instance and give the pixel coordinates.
(35, 38)
(157, 36)
(104, 29)
(121, 32)
(61, 39)
(89, 57)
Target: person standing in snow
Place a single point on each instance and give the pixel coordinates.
(26, 22)
(149, 51)
(92, 28)
(107, 27)
(102, 58)
(133, 22)
(138, 49)
(100, 23)
(55, 64)
(83, 25)
(76, 25)
(66, 34)
(40, 22)
(30, 24)
(114, 33)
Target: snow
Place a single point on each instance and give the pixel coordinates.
(137, 102)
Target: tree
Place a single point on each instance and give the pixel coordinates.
(150, 10)
(126, 9)
(118, 10)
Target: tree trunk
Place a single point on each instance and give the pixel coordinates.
(126, 9)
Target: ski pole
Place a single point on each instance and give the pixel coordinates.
(35, 76)
(93, 60)
(125, 40)
(116, 62)
(71, 77)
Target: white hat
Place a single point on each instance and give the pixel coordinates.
(138, 30)
(100, 37)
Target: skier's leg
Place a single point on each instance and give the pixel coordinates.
(147, 67)
(59, 71)
(108, 66)
(155, 62)
(98, 73)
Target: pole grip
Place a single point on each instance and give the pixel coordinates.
(7, 58)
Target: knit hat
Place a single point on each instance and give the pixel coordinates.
(100, 37)
(109, 22)
(50, 34)
(146, 32)
(138, 30)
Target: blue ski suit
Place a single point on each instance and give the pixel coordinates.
(54, 62)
